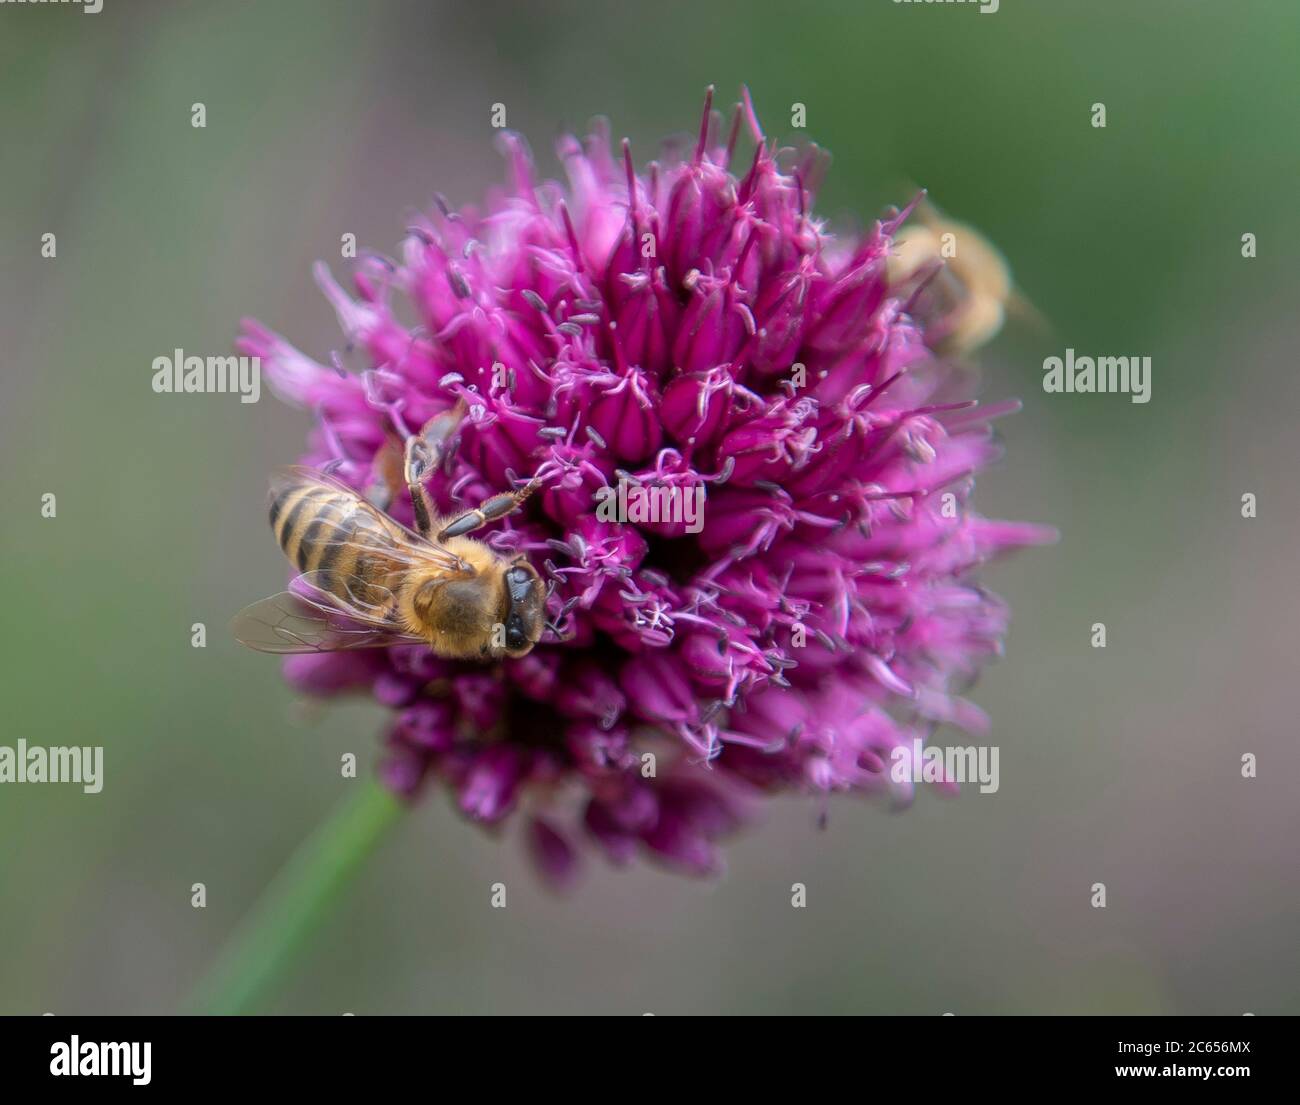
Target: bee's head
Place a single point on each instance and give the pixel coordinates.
(523, 613)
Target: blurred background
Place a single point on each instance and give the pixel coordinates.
(325, 117)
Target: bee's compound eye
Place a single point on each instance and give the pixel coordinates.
(523, 608)
(519, 582)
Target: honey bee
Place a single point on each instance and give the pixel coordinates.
(369, 582)
(969, 282)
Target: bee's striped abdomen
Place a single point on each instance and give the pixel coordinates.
(328, 530)
(299, 512)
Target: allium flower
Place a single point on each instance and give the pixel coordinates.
(689, 325)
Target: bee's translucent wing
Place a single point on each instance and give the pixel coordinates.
(350, 614)
(354, 598)
(287, 623)
(361, 525)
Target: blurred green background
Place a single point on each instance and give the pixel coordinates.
(1119, 766)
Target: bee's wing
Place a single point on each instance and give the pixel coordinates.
(400, 544)
(309, 618)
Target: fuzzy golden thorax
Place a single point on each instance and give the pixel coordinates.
(492, 610)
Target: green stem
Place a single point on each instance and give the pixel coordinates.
(293, 905)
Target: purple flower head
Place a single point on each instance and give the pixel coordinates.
(686, 334)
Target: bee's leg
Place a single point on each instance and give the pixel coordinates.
(438, 430)
(424, 452)
(418, 463)
(489, 510)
